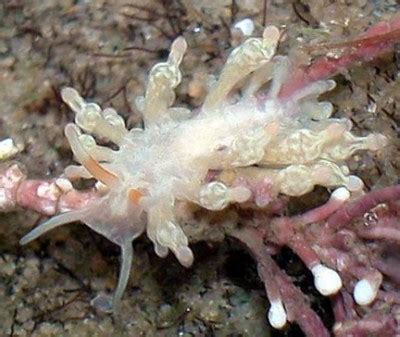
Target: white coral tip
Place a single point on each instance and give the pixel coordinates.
(365, 292)
(7, 149)
(246, 26)
(341, 194)
(277, 315)
(326, 280)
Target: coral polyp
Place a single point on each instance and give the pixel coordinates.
(249, 136)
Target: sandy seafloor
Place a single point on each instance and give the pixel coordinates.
(105, 50)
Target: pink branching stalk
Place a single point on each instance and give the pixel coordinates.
(47, 197)
(280, 289)
(376, 41)
(335, 236)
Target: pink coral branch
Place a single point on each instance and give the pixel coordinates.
(377, 40)
(373, 325)
(389, 268)
(47, 197)
(381, 233)
(359, 207)
(295, 302)
(331, 238)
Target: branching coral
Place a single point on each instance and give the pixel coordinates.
(261, 141)
(338, 235)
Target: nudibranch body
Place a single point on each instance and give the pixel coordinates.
(289, 144)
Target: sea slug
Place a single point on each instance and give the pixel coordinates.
(256, 142)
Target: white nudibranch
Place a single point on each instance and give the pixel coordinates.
(291, 142)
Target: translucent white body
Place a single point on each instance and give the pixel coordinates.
(292, 140)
